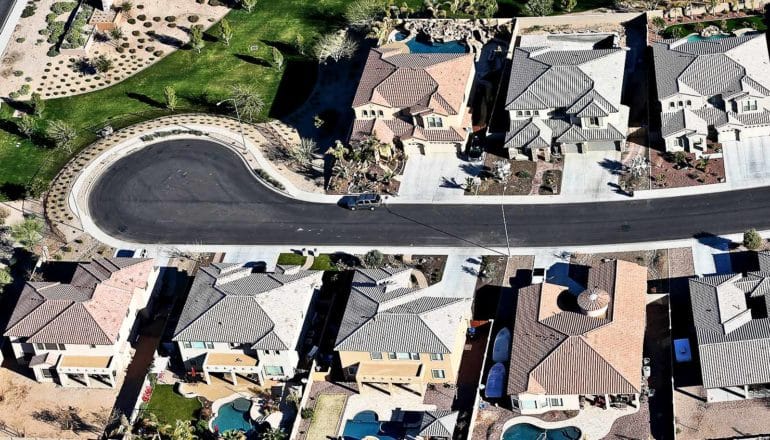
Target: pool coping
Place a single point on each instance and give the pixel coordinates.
(217, 404)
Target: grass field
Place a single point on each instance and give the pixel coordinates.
(170, 406)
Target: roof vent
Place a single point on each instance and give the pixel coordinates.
(594, 302)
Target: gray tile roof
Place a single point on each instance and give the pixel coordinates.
(230, 303)
(733, 340)
(78, 312)
(384, 314)
(438, 424)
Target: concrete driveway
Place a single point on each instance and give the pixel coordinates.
(434, 177)
(590, 176)
(747, 162)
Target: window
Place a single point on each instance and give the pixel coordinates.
(681, 142)
(434, 122)
(438, 374)
(364, 113)
(437, 356)
(681, 104)
(528, 113)
(47, 373)
(555, 401)
(186, 344)
(39, 346)
(49, 346)
(352, 370)
(273, 370)
(375, 356)
(671, 105)
(414, 356)
(749, 105)
(536, 112)
(198, 344)
(528, 404)
(380, 113)
(689, 103)
(593, 121)
(519, 113)
(400, 356)
(93, 345)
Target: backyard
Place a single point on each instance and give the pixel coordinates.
(680, 30)
(169, 406)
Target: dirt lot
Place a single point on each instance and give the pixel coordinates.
(24, 403)
(691, 172)
(696, 420)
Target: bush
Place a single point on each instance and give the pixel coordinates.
(170, 18)
(307, 413)
(158, 53)
(150, 48)
(53, 52)
(147, 24)
(215, 3)
(752, 240)
(131, 21)
(29, 11)
(50, 18)
(59, 8)
(20, 40)
(156, 19)
(374, 258)
(135, 33)
(268, 178)
(193, 18)
(141, 17)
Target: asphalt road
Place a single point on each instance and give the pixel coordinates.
(197, 192)
(5, 10)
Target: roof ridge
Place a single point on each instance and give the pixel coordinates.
(203, 312)
(96, 321)
(360, 326)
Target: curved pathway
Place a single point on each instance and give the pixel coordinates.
(198, 192)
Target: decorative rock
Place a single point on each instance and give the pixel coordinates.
(710, 31)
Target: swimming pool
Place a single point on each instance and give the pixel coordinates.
(234, 415)
(696, 38)
(418, 45)
(525, 431)
(366, 423)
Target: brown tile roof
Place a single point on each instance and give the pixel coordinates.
(398, 80)
(386, 130)
(88, 310)
(565, 352)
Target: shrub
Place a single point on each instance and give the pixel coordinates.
(20, 40)
(158, 53)
(215, 3)
(18, 73)
(125, 45)
(150, 48)
(141, 17)
(268, 178)
(4, 213)
(307, 413)
(53, 52)
(135, 33)
(13, 95)
(156, 19)
(374, 258)
(752, 240)
(29, 11)
(170, 18)
(193, 18)
(59, 8)
(172, 25)
(131, 21)
(147, 24)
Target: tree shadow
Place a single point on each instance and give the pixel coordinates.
(297, 83)
(253, 60)
(325, 15)
(13, 191)
(168, 40)
(615, 167)
(203, 101)
(145, 100)
(285, 48)
(714, 241)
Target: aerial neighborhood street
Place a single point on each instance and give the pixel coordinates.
(373, 219)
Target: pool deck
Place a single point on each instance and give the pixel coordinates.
(593, 422)
(382, 405)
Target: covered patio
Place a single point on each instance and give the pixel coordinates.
(233, 364)
(383, 376)
(86, 371)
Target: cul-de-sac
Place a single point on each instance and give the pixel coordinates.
(384, 219)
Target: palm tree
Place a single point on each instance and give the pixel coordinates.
(247, 101)
(28, 233)
(233, 434)
(181, 430)
(338, 151)
(62, 134)
(273, 434)
(116, 33)
(125, 8)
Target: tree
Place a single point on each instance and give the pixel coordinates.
(752, 240)
(248, 5)
(247, 101)
(37, 103)
(196, 38)
(373, 258)
(338, 151)
(299, 44)
(336, 46)
(233, 434)
(102, 64)
(225, 31)
(116, 33)
(169, 93)
(27, 125)
(62, 134)
(273, 434)
(28, 233)
(302, 154)
(181, 430)
(363, 13)
(5, 277)
(277, 59)
(539, 7)
(125, 8)
(568, 5)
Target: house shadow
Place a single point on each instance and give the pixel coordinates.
(714, 241)
(570, 276)
(297, 83)
(168, 40)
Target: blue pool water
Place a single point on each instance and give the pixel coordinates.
(234, 415)
(525, 431)
(366, 423)
(416, 46)
(695, 38)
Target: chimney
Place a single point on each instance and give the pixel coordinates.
(594, 302)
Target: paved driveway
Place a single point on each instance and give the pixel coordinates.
(747, 162)
(590, 176)
(434, 177)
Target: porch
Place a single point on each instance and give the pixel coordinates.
(387, 376)
(607, 401)
(233, 364)
(86, 371)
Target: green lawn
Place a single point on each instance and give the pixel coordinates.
(199, 79)
(323, 262)
(680, 30)
(170, 406)
(291, 259)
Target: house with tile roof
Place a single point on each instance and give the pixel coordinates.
(732, 327)
(714, 90)
(564, 96)
(416, 100)
(77, 333)
(571, 350)
(239, 322)
(396, 335)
